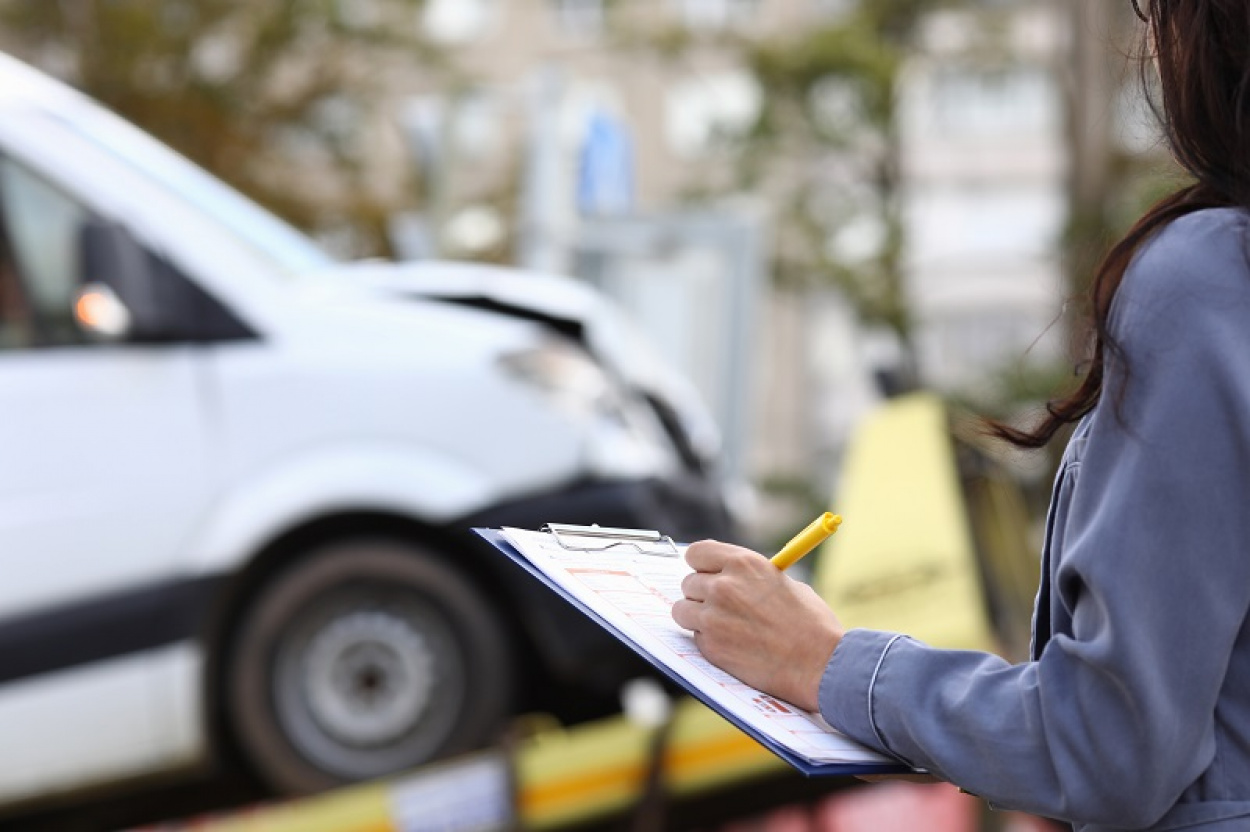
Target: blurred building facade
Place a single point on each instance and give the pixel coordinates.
(985, 197)
(983, 157)
(671, 73)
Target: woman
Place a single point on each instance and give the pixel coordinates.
(1134, 711)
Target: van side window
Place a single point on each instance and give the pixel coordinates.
(42, 225)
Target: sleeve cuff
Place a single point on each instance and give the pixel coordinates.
(846, 693)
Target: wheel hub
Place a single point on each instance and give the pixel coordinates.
(369, 677)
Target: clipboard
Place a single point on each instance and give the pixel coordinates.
(604, 538)
(608, 541)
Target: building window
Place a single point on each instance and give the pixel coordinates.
(714, 15)
(956, 223)
(458, 22)
(984, 103)
(834, 10)
(580, 18)
(963, 347)
(709, 112)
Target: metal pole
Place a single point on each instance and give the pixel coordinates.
(539, 243)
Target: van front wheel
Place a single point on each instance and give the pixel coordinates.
(362, 659)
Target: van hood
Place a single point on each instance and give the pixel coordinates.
(565, 306)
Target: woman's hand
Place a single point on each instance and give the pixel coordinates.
(748, 618)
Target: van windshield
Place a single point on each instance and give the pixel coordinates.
(290, 249)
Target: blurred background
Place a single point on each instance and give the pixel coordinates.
(924, 184)
(806, 207)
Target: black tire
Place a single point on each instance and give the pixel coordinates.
(362, 659)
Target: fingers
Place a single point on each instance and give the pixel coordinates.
(714, 556)
(706, 555)
(695, 585)
(687, 613)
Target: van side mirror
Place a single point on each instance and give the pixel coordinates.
(99, 312)
(120, 298)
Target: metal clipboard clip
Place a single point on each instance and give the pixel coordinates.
(603, 538)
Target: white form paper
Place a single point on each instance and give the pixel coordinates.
(634, 592)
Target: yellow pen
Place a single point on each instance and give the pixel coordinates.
(816, 533)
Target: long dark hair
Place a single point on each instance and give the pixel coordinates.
(1202, 51)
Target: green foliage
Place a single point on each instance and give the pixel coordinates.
(852, 51)
(829, 106)
(823, 149)
(895, 20)
(252, 91)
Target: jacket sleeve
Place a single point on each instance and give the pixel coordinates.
(1117, 717)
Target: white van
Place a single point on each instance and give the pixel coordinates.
(237, 478)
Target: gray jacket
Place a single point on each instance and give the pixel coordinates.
(1135, 710)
